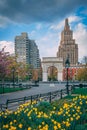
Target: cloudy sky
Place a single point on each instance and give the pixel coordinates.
(43, 20)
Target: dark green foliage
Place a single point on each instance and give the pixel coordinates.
(81, 127)
(44, 106)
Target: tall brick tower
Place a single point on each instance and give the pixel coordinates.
(67, 46)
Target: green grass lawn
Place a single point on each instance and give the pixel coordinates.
(8, 89)
(82, 91)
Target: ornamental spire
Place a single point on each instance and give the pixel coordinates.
(66, 25)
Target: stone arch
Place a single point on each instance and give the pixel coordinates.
(52, 61)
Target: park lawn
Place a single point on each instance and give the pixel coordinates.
(8, 89)
(82, 91)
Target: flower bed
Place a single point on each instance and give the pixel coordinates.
(45, 116)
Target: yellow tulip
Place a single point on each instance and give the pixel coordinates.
(29, 128)
(20, 125)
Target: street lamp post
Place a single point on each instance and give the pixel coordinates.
(17, 76)
(29, 76)
(67, 65)
(13, 70)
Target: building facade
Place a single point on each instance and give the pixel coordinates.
(27, 50)
(68, 47)
(73, 72)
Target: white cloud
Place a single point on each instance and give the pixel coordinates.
(80, 35)
(60, 25)
(32, 34)
(74, 19)
(48, 45)
(9, 46)
(39, 26)
(47, 52)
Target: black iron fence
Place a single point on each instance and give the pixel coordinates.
(12, 104)
(18, 84)
(79, 85)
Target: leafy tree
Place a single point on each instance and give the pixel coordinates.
(82, 74)
(40, 74)
(19, 69)
(13, 64)
(82, 71)
(35, 75)
(4, 63)
(29, 71)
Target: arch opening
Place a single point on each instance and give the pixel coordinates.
(52, 73)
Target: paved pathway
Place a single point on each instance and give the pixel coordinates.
(43, 88)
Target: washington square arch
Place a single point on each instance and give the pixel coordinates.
(52, 66)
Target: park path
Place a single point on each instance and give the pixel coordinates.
(43, 88)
